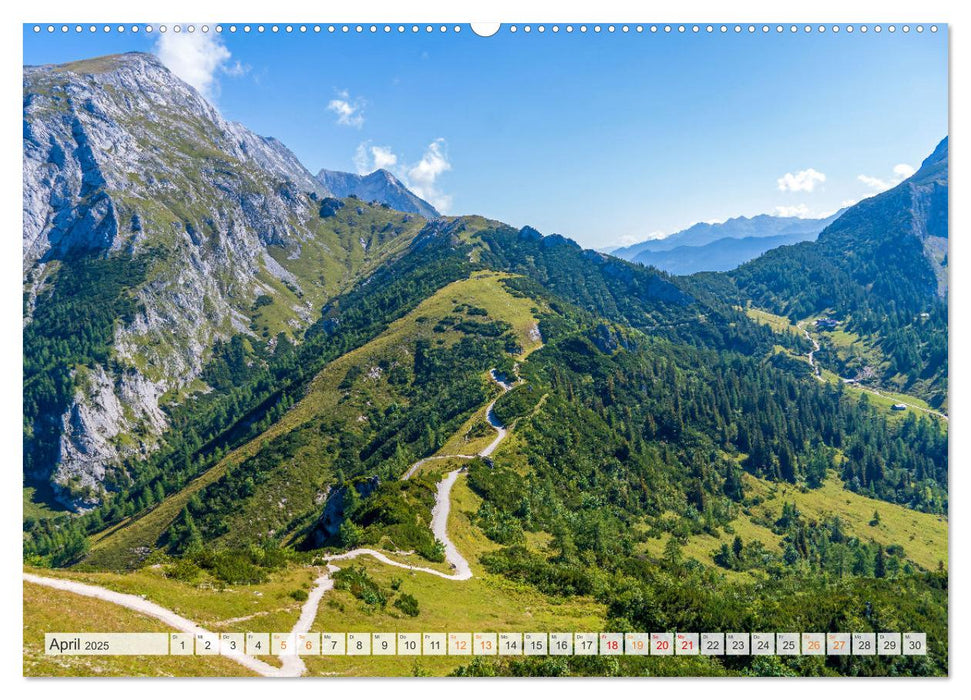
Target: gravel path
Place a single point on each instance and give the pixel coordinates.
(139, 604)
(292, 664)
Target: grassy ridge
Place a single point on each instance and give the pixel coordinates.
(325, 397)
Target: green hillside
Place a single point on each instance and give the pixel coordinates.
(880, 271)
(352, 395)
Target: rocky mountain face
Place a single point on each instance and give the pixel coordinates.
(123, 161)
(92, 127)
(380, 186)
(901, 232)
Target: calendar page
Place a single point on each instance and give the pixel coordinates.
(519, 349)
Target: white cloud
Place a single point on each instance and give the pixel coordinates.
(873, 182)
(384, 158)
(901, 172)
(237, 70)
(196, 57)
(348, 111)
(363, 162)
(803, 181)
(368, 158)
(631, 238)
(800, 210)
(421, 177)
(829, 212)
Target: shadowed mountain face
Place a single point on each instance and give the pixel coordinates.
(380, 186)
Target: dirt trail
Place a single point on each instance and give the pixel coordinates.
(138, 604)
(812, 353)
(292, 663)
(875, 392)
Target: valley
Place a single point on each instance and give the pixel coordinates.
(321, 586)
(893, 403)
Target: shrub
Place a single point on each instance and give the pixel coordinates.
(407, 604)
(183, 570)
(237, 568)
(356, 581)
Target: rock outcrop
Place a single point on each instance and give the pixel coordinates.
(122, 158)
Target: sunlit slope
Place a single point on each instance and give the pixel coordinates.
(48, 610)
(346, 393)
(923, 536)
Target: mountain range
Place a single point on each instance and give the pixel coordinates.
(718, 247)
(212, 233)
(234, 370)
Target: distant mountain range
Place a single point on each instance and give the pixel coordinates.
(380, 186)
(725, 246)
(721, 255)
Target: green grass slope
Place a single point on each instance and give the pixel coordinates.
(299, 483)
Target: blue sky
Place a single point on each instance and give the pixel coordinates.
(606, 138)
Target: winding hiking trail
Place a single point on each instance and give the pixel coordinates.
(812, 360)
(490, 418)
(139, 604)
(443, 504)
(292, 664)
(817, 372)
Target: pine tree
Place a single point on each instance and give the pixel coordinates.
(737, 547)
(880, 565)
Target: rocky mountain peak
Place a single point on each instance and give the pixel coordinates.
(125, 161)
(379, 186)
(934, 167)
